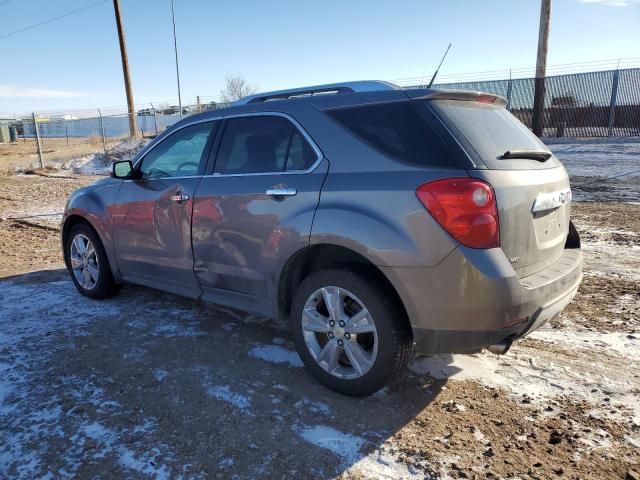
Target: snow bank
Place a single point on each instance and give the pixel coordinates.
(100, 163)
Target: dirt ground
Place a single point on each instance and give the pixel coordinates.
(151, 385)
(32, 243)
(23, 154)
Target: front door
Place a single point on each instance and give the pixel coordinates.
(152, 213)
(255, 210)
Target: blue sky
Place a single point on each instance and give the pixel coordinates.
(75, 63)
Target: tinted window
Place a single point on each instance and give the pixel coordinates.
(398, 130)
(301, 156)
(262, 144)
(490, 129)
(180, 154)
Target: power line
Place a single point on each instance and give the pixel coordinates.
(53, 19)
(4, 3)
(525, 72)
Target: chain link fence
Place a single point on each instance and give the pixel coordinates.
(592, 104)
(53, 140)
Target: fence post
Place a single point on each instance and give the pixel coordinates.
(509, 86)
(37, 132)
(104, 142)
(155, 119)
(614, 98)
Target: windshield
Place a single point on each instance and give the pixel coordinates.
(491, 130)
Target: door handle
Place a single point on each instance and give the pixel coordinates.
(180, 197)
(281, 192)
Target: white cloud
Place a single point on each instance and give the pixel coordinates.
(612, 3)
(12, 91)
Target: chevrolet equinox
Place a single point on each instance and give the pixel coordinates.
(380, 221)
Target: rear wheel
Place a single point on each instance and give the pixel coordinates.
(88, 264)
(349, 333)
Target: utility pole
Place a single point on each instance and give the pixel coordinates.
(541, 67)
(175, 47)
(125, 70)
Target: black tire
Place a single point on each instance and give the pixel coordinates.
(394, 334)
(105, 286)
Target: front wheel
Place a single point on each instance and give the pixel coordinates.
(349, 332)
(88, 264)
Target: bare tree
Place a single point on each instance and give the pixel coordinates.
(236, 88)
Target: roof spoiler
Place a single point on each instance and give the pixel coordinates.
(331, 88)
(464, 95)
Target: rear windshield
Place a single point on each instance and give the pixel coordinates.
(490, 129)
(398, 130)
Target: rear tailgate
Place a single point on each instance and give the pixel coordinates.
(532, 191)
(531, 240)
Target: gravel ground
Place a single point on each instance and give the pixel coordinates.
(152, 385)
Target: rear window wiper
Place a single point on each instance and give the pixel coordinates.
(539, 155)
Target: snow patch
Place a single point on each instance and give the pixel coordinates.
(315, 407)
(100, 163)
(160, 374)
(276, 354)
(543, 373)
(622, 344)
(380, 464)
(222, 392)
(226, 462)
(344, 445)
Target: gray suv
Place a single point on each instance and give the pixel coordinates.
(380, 221)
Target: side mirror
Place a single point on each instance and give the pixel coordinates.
(122, 169)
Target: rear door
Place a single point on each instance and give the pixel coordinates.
(255, 209)
(152, 214)
(532, 191)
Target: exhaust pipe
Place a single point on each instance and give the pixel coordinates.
(500, 348)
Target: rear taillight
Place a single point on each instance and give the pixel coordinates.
(465, 208)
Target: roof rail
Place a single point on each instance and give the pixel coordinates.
(346, 87)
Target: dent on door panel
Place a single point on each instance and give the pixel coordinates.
(153, 237)
(242, 237)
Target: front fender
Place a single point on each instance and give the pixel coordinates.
(93, 204)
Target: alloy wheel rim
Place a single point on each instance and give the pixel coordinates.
(339, 332)
(84, 261)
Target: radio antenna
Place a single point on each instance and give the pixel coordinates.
(436, 72)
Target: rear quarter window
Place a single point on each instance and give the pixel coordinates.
(398, 130)
(490, 130)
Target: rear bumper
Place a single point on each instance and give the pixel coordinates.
(474, 298)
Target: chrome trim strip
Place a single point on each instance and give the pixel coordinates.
(161, 178)
(235, 115)
(290, 172)
(551, 200)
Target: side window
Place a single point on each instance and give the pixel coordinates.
(181, 154)
(262, 144)
(301, 154)
(398, 130)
